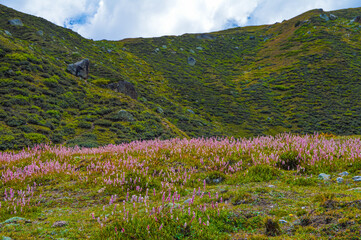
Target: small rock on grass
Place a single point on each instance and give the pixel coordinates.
(16, 220)
(60, 224)
(283, 221)
(6, 238)
(324, 176)
(339, 180)
(343, 174)
(357, 178)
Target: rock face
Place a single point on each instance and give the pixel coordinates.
(16, 22)
(333, 17)
(357, 19)
(325, 17)
(79, 69)
(191, 61)
(126, 116)
(206, 37)
(124, 87)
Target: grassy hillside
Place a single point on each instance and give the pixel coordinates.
(41, 102)
(301, 75)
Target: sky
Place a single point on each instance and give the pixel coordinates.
(119, 19)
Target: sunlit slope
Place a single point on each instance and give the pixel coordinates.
(301, 75)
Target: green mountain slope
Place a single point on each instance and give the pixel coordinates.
(301, 75)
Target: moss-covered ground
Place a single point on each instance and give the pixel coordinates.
(259, 188)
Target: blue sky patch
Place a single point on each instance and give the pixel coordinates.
(231, 23)
(77, 20)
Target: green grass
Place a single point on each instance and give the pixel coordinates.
(127, 191)
(260, 80)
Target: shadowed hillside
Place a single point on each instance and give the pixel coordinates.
(301, 75)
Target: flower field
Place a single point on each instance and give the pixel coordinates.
(257, 188)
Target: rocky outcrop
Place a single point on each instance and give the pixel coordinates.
(125, 116)
(191, 61)
(206, 37)
(16, 22)
(124, 87)
(357, 19)
(333, 17)
(79, 69)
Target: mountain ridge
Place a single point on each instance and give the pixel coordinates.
(297, 76)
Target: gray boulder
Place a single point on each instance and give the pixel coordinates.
(6, 238)
(356, 19)
(191, 61)
(357, 178)
(124, 87)
(7, 33)
(324, 17)
(333, 17)
(40, 33)
(190, 111)
(79, 69)
(339, 180)
(159, 110)
(16, 22)
(324, 176)
(60, 224)
(126, 116)
(343, 174)
(206, 37)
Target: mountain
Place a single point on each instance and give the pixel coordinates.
(301, 76)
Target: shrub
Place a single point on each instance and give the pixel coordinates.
(15, 121)
(57, 138)
(54, 113)
(6, 142)
(88, 140)
(103, 123)
(100, 81)
(288, 160)
(272, 227)
(68, 130)
(19, 100)
(35, 138)
(51, 82)
(84, 124)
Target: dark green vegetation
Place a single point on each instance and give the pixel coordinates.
(301, 75)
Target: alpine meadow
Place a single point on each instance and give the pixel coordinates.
(246, 133)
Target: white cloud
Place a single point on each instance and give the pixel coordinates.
(118, 19)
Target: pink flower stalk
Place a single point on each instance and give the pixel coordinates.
(161, 226)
